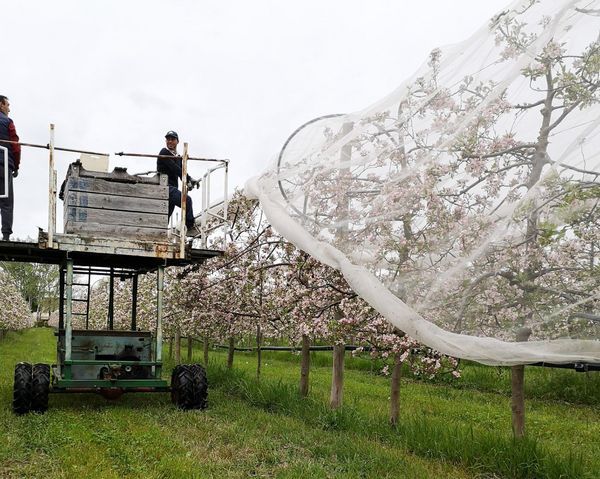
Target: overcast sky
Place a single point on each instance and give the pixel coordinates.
(234, 78)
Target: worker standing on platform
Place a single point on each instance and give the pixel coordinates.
(8, 133)
(172, 168)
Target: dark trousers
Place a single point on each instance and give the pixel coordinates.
(175, 200)
(7, 204)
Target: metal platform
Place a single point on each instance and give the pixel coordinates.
(31, 252)
(116, 225)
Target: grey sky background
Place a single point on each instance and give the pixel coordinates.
(234, 78)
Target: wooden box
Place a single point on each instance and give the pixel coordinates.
(115, 205)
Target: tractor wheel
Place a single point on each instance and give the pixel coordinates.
(22, 388)
(182, 387)
(200, 386)
(174, 374)
(40, 387)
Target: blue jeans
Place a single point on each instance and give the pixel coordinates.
(6, 204)
(175, 200)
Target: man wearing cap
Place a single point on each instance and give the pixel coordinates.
(8, 133)
(172, 168)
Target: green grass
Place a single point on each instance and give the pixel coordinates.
(263, 429)
(541, 383)
(461, 426)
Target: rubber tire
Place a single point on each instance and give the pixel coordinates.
(22, 388)
(40, 387)
(174, 393)
(200, 386)
(182, 387)
(189, 386)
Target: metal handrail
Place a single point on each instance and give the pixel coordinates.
(145, 155)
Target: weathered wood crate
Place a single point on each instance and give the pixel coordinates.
(115, 205)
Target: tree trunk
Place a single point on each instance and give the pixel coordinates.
(190, 352)
(304, 366)
(395, 390)
(205, 351)
(517, 383)
(230, 352)
(178, 346)
(171, 347)
(258, 352)
(337, 380)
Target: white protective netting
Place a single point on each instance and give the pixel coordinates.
(465, 205)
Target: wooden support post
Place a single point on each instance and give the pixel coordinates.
(190, 348)
(205, 346)
(518, 391)
(178, 346)
(230, 352)
(304, 366)
(395, 390)
(258, 351)
(337, 380)
(517, 383)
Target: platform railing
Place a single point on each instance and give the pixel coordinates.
(210, 208)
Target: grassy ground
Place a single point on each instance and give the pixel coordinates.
(264, 430)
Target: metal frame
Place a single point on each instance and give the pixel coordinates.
(65, 381)
(5, 150)
(282, 152)
(208, 209)
(122, 258)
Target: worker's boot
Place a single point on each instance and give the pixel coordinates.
(5, 237)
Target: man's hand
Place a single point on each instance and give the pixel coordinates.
(192, 183)
(15, 173)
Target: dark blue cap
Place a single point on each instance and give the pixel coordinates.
(172, 134)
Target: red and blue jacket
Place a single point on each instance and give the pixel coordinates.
(9, 132)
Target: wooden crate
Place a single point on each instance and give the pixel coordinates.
(115, 205)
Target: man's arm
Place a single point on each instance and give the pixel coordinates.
(168, 165)
(16, 148)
